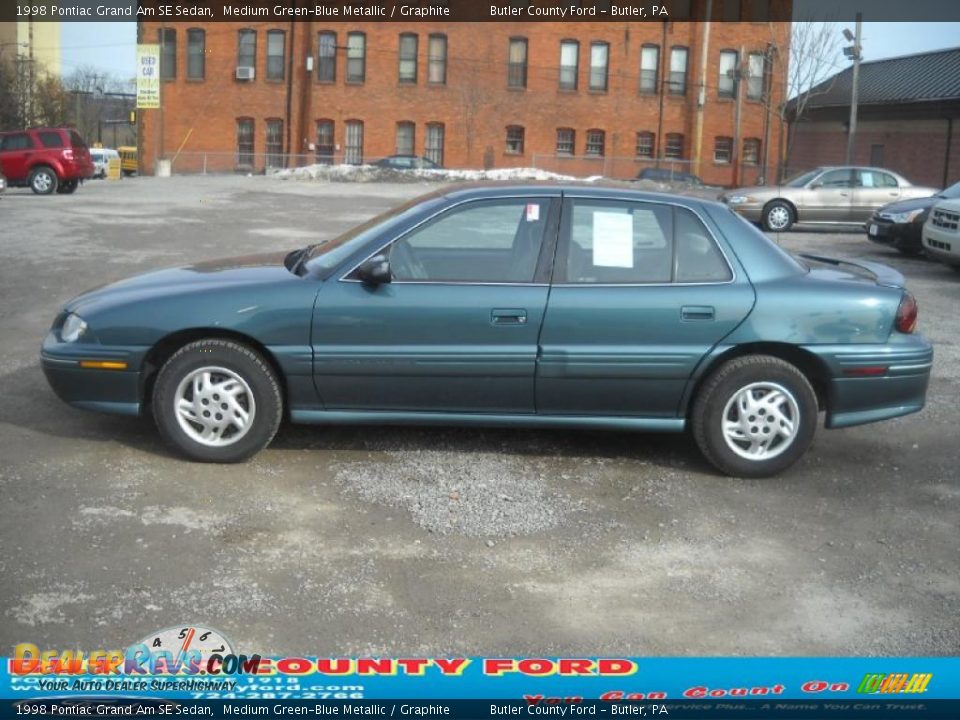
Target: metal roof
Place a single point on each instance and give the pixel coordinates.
(923, 77)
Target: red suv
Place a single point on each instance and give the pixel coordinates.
(47, 159)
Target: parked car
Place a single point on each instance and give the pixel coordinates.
(101, 158)
(844, 195)
(406, 162)
(941, 233)
(900, 224)
(45, 159)
(524, 305)
(668, 175)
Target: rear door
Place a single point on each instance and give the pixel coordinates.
(641, 292)
(456, 329)
(16, 151)
(873, 189)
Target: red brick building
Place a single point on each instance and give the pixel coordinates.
(908, 119)
(585, 98)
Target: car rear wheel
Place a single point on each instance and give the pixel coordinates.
(43, 181)
(755, 416)
(778, 216)
(67, 187)
(217, 401)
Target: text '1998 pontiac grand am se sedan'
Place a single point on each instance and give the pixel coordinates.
(541, 306)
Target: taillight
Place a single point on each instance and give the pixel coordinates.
(906, 320)
(68, 153)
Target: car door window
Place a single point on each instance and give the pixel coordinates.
(487, 241)
(698, 259)
(876, 179)
(619, 242)
(836, 179)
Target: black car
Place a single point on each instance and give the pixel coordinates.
(406, 162)
(899, 224)
(669, 176)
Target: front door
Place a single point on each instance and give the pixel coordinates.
(642, 292)
(456, 329)
(829, 197)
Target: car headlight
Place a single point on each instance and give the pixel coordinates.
(906, 217)
(738, 199)
(73, 327)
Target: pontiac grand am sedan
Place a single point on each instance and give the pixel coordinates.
(539, 306)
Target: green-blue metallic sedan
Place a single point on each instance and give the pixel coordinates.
(539, 306)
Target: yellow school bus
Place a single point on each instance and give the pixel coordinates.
(128, 159)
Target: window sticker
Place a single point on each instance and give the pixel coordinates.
(533, 212)
(612, 239)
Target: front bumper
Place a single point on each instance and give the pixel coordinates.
(905, 236)
(900, 389)
(753, 213)
(941, 245)
(110, 391)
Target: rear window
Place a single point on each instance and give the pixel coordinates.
(50, 139)
(16, 141)
(76, 140)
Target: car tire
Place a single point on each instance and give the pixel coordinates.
(43, 181)
(778, 216)
(217, 401)
(68, 187)
(754, 416)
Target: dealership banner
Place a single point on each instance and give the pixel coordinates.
(148, 76)
(144, 679)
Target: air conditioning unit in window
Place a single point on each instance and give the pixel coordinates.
(245, 73)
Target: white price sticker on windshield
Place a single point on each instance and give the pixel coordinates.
(533, 212)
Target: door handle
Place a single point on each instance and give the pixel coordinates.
(844, 194)
(697, 312)
(508, 316)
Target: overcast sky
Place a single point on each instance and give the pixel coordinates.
(110, 45)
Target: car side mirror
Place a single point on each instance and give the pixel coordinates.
(375, 270)
(816, 185)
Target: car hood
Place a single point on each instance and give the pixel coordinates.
(235, 271)
(922, 203)
(754, 190)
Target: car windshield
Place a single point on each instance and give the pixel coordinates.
(802, 179)
(950, 193)
(327, 254)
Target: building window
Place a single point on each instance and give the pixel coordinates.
(168, 53)
(569, 64)
(276, 50)
(599, 57)
(325, 145)
(434, 147)
(722, 150)
(274, 143)
(246, 49)
(327, 57)
(645, 142)
(566, 141)
(517, 63)
(405, 138)
(756, 70)
(727, 81)
(677, 85)
(408, 58)
(356, 57)
(751, 151)
(353, 149)
(437, 60)
(244, 142)
(514, 140)
(596, 141)
(674, 148)
(649, 68)
(196, 54)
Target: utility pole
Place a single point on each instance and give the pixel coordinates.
(738, 73)
(702, 93)
(853, 52)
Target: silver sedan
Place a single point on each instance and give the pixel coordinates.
(829, 195)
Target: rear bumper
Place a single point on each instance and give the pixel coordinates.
(110, 391)
(900, 389)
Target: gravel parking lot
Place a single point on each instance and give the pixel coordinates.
(359, 541)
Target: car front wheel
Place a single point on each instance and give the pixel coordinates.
(755, 416)
(778, 216)
(43, 181)
(217, 401)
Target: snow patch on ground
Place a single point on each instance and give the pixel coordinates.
(370, 173)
